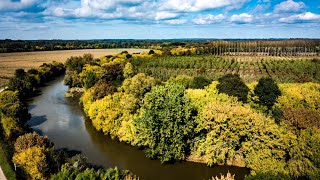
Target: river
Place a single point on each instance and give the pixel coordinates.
(64, 122)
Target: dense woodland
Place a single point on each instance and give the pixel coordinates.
(291, 47)
(177, 104)
(268, 126)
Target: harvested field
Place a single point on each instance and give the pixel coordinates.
(11, 61)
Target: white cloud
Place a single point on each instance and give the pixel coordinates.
(176, 21)
(16, 5)
(208, 19)
(165, 15)
(141, 10)
(198, 5)
(241, 18)
(289, 6)
(307, 16)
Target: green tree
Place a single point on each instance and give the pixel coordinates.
(128, 70)
(267, 91)
(199, 82)
(233, 85)
(90, 79)
(166, 123)
(102, 88)
(138, 85)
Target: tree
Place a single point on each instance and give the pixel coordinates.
(30, 140)
(200, 82)
(128, 70)
(233, 85)
(166, 123)
(267, 91)
(90, 79)
(138, 85)
(10, 126)
(102, 88)
(20, 73)
(11, 107)
(34, 153)
(151, 52)
(33, 161)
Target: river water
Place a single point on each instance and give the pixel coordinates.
(64, 122)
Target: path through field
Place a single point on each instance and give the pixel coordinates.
(2, 177)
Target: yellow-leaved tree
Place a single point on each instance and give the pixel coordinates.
(33, 161)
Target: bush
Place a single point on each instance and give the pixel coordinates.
(233, 85)
(199, 82)
(267, 91)
(166, 123)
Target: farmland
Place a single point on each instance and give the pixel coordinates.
(244, 107)
(11, 61)
(250, 68)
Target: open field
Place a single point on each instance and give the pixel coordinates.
(11, 61)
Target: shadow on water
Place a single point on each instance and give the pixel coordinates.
(70, 152)
(30, 107)
(37, 120)
(38, 131)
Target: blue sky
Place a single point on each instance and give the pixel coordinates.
(159, 19)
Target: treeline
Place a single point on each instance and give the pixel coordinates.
(299, 47)
(224, 122)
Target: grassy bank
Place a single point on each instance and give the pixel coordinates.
(5, 163)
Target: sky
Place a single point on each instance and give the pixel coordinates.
(158, 19)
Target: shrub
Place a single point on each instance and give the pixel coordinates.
(233, 85)
(200, 82)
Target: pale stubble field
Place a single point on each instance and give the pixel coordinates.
(11, 61)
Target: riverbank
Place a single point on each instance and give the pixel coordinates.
(6, 171)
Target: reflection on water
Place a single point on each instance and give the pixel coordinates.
(62, 119)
